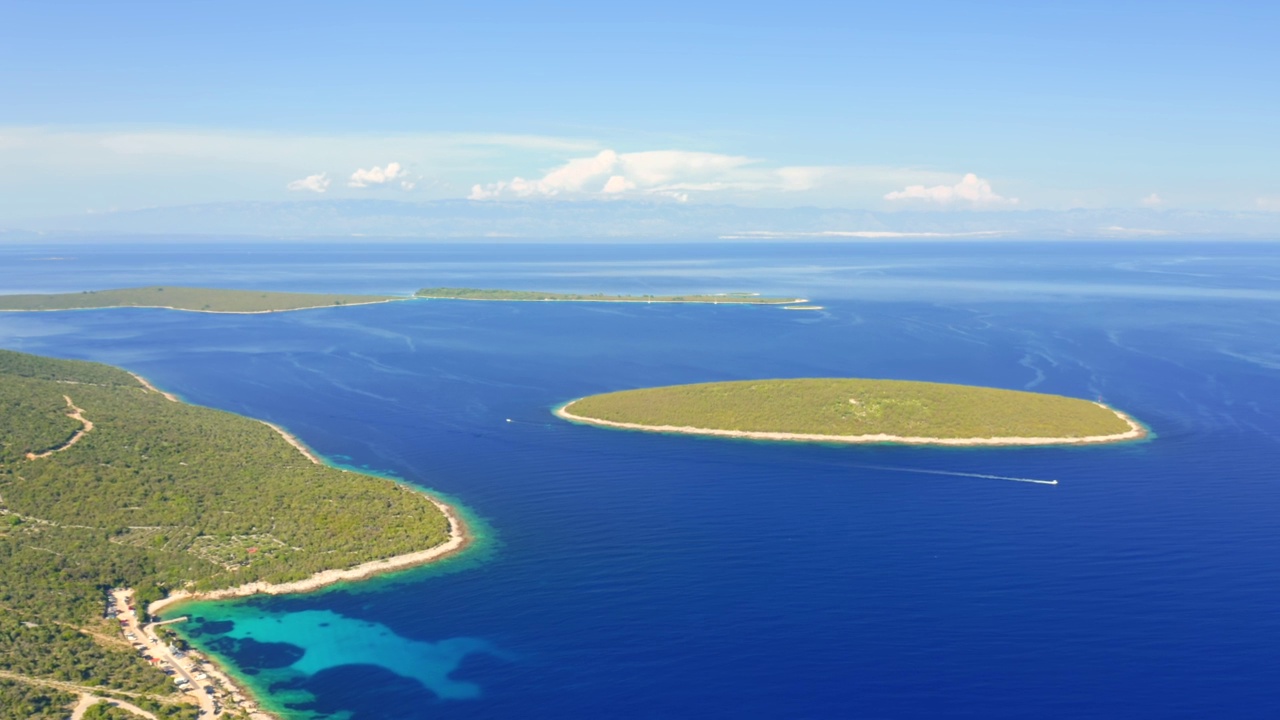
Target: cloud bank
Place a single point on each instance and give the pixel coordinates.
(664, 173)
(315, 183)
(381, 176)
(971, 190)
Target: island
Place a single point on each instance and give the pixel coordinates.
(116, 500)
(446, 293)
(849, 410)
(186, 298)
(213, 300)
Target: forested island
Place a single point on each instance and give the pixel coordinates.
(185, 298)
(213, 300)
(846, 410)
(108, 483)
(446, 293)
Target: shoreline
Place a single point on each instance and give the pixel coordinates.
(459, 539)
(1135, 432)
(240, 691)
(296, 443)
(146, 384)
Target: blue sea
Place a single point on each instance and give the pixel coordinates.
(632, 575)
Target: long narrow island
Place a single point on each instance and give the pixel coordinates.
(210, 300)
(847, 410)
(214, 300)
(108, 484)
(448, 293)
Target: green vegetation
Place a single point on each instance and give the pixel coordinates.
(827, 406)
(20, 701)
(183, 298)
(476, 294)
(158, 496)
(104, 710)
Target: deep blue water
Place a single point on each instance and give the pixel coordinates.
(644, 576)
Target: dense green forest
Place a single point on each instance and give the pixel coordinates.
(184, 298)
(158, 495)
(20, 701)
(445, 293)
(838, 406)
(105, 711)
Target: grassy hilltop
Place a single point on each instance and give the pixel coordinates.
(184, 298)
(852, 407)
(158, 495)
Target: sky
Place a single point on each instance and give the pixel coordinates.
(947, 106)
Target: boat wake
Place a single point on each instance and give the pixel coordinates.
(951, 473)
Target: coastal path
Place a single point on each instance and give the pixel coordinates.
(87, 696)
(88, 700)
(76, 414)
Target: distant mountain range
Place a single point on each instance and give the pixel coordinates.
(659, 221)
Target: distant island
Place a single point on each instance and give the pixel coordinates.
(185, 298)
(445, 293)
(106, 482)
(212, 300)
(843, 410)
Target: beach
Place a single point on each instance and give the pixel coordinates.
(1135, 432)
(459, 538)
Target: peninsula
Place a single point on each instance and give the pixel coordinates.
(186, 298)
(844, 410)
(445, 293)
(105, 482)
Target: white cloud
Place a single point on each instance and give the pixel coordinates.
(1153, 200)
(971, 189)
(315, 183)
(673, 174)
(1269, 203)
(618, 184)
(379, 176)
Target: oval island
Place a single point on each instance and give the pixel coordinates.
(848, 410)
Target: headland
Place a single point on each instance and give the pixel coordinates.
(108, 482)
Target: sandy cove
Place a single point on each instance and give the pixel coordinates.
(459, 538)
(1135, 432)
